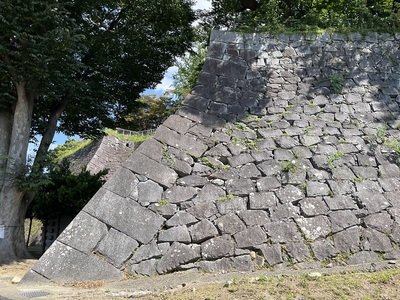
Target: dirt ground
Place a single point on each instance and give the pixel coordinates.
(350, 282)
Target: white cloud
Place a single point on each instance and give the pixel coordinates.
(165, 84)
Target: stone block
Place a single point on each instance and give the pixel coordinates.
(230, 224)
(262, 200)
(376, 241)
(242, 263)
(178, 123)
(217, 247)
(147, 167)
(149, 192)
(342, 219)
(203, 230)
(83, 233)
(177, 194)
(382, 222)
(181, 218)
(254, 217)
(372, 201)
(249, 171)
(289, 193)
(179, 141)
(348, 240)
(231, 205)
(192, 181)
(284, 211)
(75, 266)
(267, 184)
(238, 160)
(145, 252)
(315, 189)
(202, 210)
(223, 264)
(123, 183)
(323, 249)
(298, 251)
(362, 257)
(146, 268)
(116, 247)
(250, 237)
(314, 228)
(166, 210)
(272, 254)
(175, 234)
(125, 215)
(177, 255)
(283, 232)
(313, 206)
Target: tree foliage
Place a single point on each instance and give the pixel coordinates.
(299, 15)
(66, 193)
(153, 111)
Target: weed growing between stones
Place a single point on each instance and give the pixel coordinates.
(163, 202)
(337, 82)
(334, 157)
(290, 166)
(227, 197)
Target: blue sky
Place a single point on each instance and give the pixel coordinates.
(163, 86)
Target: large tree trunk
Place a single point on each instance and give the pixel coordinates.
(12, 204)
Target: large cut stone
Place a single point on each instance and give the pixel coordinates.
(230, 224)
(117, 247)
(298, 251)
(125, 215)
(181, 218)
(179, 141)
(223, 264)
(218, 247)
(74, 266)
(155, 171)
(123, 183)
(177, 255)
(147, 268)
(347, 240)
(232, 205)
(323, 249)
(372, 201)
(254, 217)
(145, 252)
(342, 219)
(272, 253)
(175, 234)
(202, 231)
(250, 237)
(376, 241)
(314, 228)
(289, 193)
(83, 233)
(149, 192)
(283, 232)
(177, 194)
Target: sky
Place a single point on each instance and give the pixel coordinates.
(163, 86)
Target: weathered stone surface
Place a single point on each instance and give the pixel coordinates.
(313, 206)
(146, 252)
(376, 241)
(175, 234)
(250, 237)
(202, 231)
(231, 205)
(283, 232)
(77, 236)
(145, 166)
(230, 224)
(284, 212)
(166, 210)
(147, 268)
(382, 222)
(298, 251)
(176, 256)
(181, 218)
(323, 249)
(240, 187)
(290, 193)
(272, 253)
(362, 257)
(177, 194)
(118, 212)
(262, 200)
(267, 184)
(218, 247)
(372, 201)
(342, 219)
(116, 247)
(340, 202)
(203, 210)
(223, 264)
(242, 263)
(210, 192)
(149, 192)
(123, 183)
(315, 227)
(192, 181)
(75, 266)
(315, 189)
(254, 217)
(347, 240)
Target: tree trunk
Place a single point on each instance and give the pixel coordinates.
(5, 135)
(12, 204)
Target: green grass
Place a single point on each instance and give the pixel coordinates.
(133, 138)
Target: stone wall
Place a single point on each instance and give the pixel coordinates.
(284, 154)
